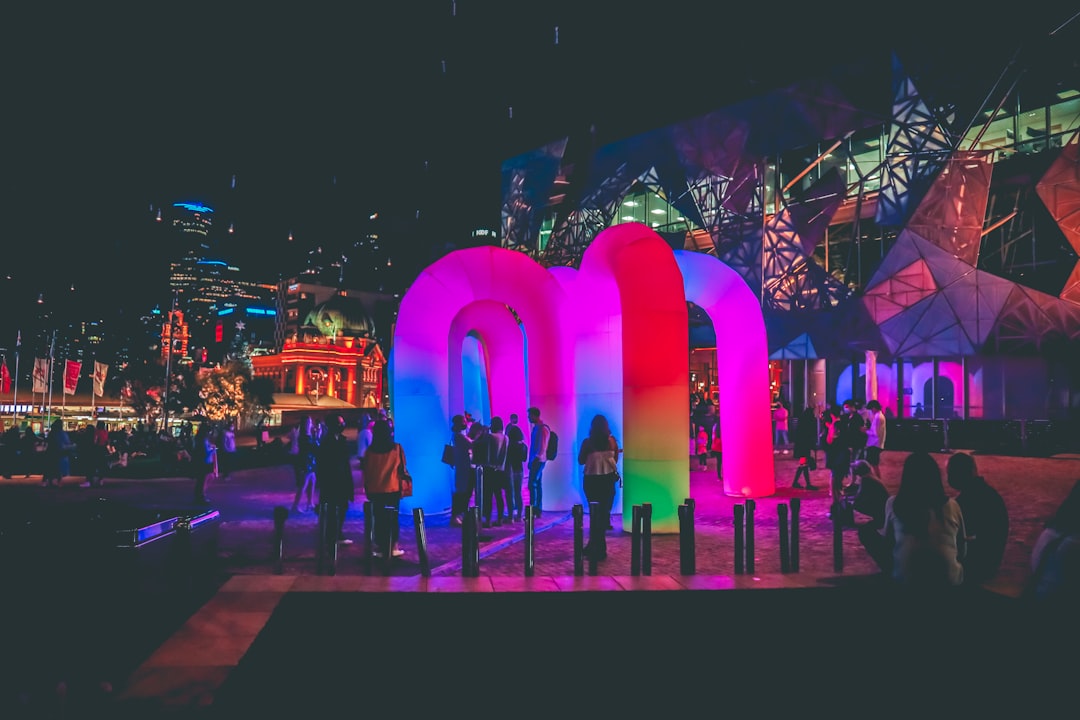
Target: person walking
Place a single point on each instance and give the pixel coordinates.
(806, 438)
(334, 478)
(203, 461)
(599, 454)
(383, 464)
(304, 463)
(538, 442)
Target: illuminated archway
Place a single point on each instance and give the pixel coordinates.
(742, 359)
(465, 292)
(609, 338)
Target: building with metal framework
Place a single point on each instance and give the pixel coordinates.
(906, 245)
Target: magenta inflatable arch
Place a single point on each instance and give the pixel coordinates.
(628, 278)
(742, 358)
(494, 325)
(465, 292)
(610, 338)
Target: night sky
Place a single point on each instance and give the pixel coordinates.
(325, 114)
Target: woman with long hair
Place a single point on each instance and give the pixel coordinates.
(383, 464)
(925, 527)
(600, 455)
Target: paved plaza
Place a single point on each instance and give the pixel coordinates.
(191, 662)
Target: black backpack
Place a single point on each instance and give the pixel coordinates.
(553, 443)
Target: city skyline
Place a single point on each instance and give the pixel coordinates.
(305, 125)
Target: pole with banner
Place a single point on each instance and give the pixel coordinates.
(72, 370)
(15, 395)
(100, 370)
(52, 353)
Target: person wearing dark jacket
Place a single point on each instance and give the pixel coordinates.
(333, 475)
(986, 519)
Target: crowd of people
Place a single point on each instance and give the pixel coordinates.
(919, 537)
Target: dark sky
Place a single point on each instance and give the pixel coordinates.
(109, 112)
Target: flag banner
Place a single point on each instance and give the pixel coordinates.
(100, 371)
(5, 378)
(41, 374)
(71, 376)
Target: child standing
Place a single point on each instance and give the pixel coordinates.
(702, 447)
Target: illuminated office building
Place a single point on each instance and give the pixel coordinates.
(905, 244)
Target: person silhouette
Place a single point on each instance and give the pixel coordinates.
(986, 518)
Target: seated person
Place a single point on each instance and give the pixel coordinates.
(986, 519)
(870, 494)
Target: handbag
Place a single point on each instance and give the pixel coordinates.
(448, 454)
(403, 475)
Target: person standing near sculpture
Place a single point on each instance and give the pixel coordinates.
(517, 453)
(599, 454)
(464, 472)
(333, 476)
(875, 435)
(538, 443)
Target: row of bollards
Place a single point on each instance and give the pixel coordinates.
(789, 536)
(640, 533)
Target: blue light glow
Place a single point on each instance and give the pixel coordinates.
(194, 207)
(261, 311)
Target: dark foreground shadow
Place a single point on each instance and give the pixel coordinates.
(814, 650)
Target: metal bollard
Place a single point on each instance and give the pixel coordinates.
(281, 514)
(530, 538)
(597, 528)
(740, 512)
(750, 506)
(796, 504)
(837, 538)
(687, 560)
(470, 543)
(369, 538)
(635, 540)
(646, 538)
(421, 542)
(579, 562)
(782, 523)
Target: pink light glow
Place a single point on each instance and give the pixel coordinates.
(611, 338)
(460, 294)
(742, 372)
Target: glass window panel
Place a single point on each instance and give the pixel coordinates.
(1064, 120)
(1031, 131)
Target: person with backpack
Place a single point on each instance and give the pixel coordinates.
(538, 458)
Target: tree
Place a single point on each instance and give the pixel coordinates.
(230, 393)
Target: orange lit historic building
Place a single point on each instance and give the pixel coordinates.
(332, 353)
